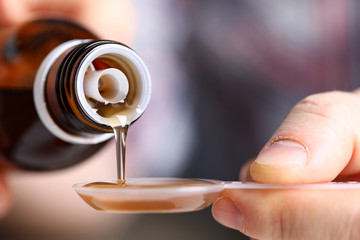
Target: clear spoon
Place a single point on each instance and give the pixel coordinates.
(169, 195)
(150, 195)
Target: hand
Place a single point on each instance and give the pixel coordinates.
(317, 142)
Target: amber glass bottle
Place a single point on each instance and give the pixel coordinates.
(58, 85)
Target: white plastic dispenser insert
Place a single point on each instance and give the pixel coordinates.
(106, 86)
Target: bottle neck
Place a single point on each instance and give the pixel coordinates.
(61, 93)
(89, 87)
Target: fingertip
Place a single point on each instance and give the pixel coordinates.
(244, 174)
(228, 214)
(279, 174)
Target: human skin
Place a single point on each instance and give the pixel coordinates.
(317, 142)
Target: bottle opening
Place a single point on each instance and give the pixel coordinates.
(113, 85)
(106, 86)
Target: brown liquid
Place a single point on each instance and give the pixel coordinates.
(116, 115)
(24, 140)
(150, 195)
(120, 141)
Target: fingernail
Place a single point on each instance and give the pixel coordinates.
(228, 214)
(283, 152)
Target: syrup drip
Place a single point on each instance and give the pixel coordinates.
(120, 141)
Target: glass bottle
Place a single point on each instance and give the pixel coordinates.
(60, 88)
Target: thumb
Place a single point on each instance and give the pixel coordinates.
(315, 143)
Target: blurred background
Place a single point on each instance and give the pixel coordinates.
(225, 74)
